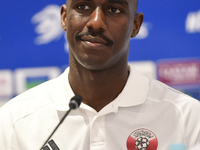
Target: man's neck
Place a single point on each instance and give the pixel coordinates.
(98, 88)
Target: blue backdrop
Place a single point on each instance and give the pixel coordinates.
(31, 36)
(164, 36)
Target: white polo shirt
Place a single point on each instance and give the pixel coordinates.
(147, 115)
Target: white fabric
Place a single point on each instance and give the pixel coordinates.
(196, 147)
(27, 120)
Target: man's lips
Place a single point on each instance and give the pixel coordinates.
(94, 40)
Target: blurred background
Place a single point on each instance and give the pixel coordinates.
(34, 49)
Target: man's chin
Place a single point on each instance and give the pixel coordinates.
(95, 66)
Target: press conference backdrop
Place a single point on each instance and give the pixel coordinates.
(34, 49)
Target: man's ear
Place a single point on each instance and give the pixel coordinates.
(139, 17)
(63, 14)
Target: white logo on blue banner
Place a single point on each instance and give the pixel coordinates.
(144, 31)
(48, 28)
(193, 22)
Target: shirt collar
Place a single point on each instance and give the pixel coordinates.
(134, 92)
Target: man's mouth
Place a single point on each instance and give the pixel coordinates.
(97, 39)
(94, 40)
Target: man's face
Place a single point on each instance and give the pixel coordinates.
(99, 31)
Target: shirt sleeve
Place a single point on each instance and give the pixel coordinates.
(191, 117)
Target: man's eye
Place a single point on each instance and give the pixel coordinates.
(115, 10)
(83, 7)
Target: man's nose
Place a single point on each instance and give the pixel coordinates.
(97, 20)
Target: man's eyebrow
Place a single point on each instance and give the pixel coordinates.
(123, 2)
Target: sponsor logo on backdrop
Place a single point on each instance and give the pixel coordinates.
(6, 83)
(193, 22)
(27, 78)
(179, 72)
(48, 25)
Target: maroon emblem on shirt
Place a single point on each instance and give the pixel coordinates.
(142, 139)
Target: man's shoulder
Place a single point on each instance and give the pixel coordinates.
(43, 90)
(160, 92)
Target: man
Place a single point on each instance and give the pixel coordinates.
(121, 108)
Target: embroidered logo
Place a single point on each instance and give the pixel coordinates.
(142, 139)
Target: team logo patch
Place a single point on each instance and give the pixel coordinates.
(142, 139)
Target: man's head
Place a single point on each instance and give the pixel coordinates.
(99, 31)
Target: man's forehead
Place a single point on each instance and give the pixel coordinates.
(124, 2)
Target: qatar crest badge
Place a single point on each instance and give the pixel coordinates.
(142, 139)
